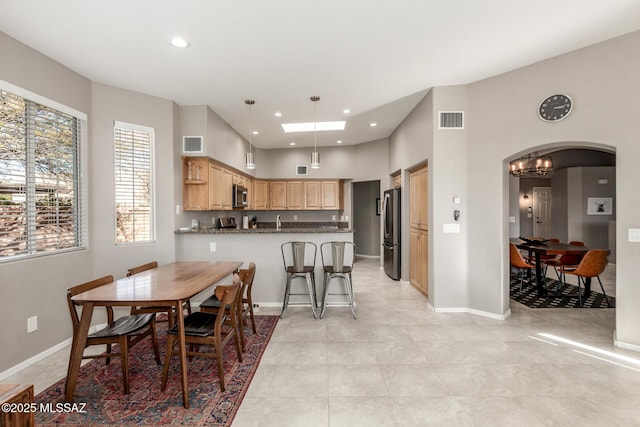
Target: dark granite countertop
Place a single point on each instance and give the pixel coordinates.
(270, 227)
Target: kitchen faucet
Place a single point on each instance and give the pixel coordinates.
(278, 223)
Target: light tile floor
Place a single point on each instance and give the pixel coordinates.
(400, 364)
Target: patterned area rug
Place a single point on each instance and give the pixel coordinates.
(100, 387)
(529, 295)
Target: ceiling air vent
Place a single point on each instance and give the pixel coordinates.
(192, 145)
(302, 170)
(451, 120)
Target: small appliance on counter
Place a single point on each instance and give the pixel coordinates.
(245, 222)
(229, 222)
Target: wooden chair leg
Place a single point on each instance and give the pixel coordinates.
(236, 338)
(124, 361)
(154, 342)
(218, 346)
(167, 360)
(253, 319)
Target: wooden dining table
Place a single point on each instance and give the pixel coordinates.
(552, 248)
(169, 285)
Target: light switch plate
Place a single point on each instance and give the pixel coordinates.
(450, 228)
(512, 219)
(634, 234)
(212, 247)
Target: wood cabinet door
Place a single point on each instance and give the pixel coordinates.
(312, 198)
(419, 259)
(215, 187)
(295, 195)
(278, 195)
(423, 262)
(195, 190)
(331, 195)
(227, 183)
(418, 186)
(260, 194)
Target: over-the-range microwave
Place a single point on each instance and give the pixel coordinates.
(239, 196)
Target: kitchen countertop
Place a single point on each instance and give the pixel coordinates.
(264, 230)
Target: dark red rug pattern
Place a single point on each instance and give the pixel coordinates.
(100, 387)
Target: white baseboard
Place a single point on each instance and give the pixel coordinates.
(624, 345)
(472, 311)
(40, 356)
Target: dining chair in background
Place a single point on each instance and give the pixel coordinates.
(126, 331)
(592, 265)
(206, 329)
(337, 262)
(155, 309)
(244, 303)
(518, 262)
(565, 262)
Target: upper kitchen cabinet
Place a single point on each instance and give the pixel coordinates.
(195, 176)
(295, 195)
(220, 186)
(260, 194)
(278, 195)
(323, 195)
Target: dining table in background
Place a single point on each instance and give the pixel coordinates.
(169, 285)
(551, 248)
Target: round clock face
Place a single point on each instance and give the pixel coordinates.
(554, 108)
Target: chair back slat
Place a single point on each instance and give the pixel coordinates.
(141, 268)
(78, 289)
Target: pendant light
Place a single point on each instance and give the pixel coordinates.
(250, 162)
(315, 156)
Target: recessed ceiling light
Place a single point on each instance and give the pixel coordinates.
(180, 43)
(346, 111)
(292, 143)
(373, 124)
(339, 141)
(255, 132)
(278, 114)
(311, 126)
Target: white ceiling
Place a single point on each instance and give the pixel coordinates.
(377, 58)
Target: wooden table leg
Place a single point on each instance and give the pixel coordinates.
(183, 355)
(77, 349)
(539, 278)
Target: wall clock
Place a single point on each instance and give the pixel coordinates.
(554, 108)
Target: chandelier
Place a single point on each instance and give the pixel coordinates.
(532, 164)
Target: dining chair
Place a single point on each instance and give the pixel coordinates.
(299, 260)
(126, 331)
(155, 309)
(243, 302)
(591, 265)
(337, 262)
(566, 262)
(206, 329)
(518, 262)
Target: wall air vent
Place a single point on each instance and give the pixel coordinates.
(450, 120)
(192, 145)
(302, 170)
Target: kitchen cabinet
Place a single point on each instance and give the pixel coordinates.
(325, 195)
(227, 189)
(396, 180)
(260, 194)
(418, 260)
(215, 187)
(277, 195)
(195, 195)
(295, 195)
(418, 187)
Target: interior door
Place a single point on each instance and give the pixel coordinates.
(542, 212)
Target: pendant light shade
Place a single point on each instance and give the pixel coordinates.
(315, 156)
(251, 164)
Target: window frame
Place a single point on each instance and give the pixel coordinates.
(152, 192)
(81, 208)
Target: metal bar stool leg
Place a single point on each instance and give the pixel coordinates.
(325, 287)
(352, 301)
(287, 291)
(312, 292)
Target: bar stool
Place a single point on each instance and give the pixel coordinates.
(340, 264)
(298, 263)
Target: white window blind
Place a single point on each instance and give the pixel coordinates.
(134, 187)
(41, 208)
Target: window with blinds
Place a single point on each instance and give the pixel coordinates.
(134, 187)
(41, 209)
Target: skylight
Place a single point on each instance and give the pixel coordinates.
(309, 127)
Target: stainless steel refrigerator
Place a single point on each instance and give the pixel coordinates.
(392, 232)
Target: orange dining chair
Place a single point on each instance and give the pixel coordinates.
(591, 265)
(518, 262)
(125, 331)
(566, 262)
